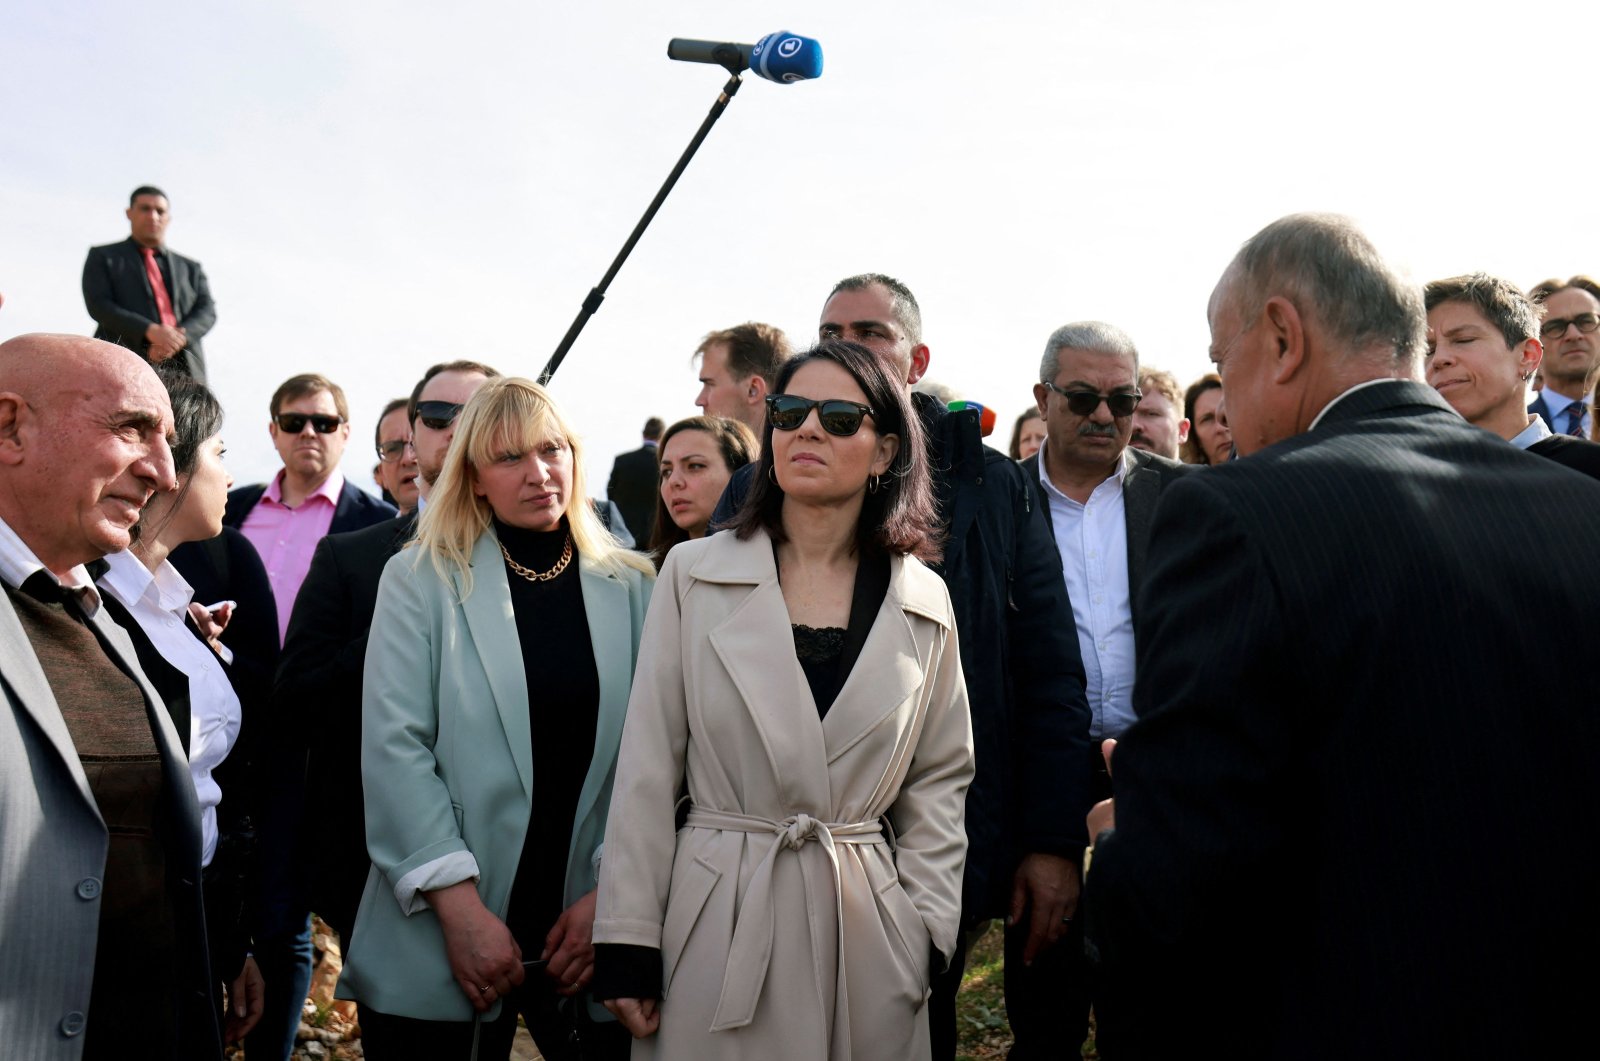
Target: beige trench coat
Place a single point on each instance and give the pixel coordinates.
(789, 924)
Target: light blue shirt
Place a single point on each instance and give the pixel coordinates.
(1534, 432)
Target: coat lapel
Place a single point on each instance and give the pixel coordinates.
(756, 646)
(493, 626)
(873, 693)
(31, 690)
(1141, 488)
(605, 603)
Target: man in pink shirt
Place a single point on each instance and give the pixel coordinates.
(285, 518)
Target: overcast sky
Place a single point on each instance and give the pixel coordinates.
(373, 187)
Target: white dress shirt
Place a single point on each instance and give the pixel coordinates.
(17, 565)
(1536, 431)
(159, 602)
(1093, 541)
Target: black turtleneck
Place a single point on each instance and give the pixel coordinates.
(563, 707)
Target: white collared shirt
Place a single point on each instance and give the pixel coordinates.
(159, 603)
(1093, 541)
(17, 565)
(1536, 431)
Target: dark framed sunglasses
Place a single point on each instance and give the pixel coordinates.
(294, 423)
(390, 452)
(786, 412)
(1085, 402)
(438, 415)
(1557, 326)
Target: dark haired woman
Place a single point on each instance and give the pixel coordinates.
(697, 458)
(1209, 441)
(799, 678)
(1028, 435)
(175, 639)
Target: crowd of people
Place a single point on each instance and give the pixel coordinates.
(1254, 708)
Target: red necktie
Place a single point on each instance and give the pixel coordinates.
(159, 287)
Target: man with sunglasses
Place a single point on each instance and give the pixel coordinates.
(284, 520)
(1571, 354)
(1100, 494)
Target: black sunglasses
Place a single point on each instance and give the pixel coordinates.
(438, 415)
(786, 412)
(294, 423)
(1084, 403)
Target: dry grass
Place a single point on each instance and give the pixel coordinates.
(982, 1033)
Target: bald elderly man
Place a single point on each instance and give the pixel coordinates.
(103, 951)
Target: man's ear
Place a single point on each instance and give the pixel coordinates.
(1287, 332)
(1183, 429)
(14, 415)
(756, 388)
(920, 356)
(1041, 394)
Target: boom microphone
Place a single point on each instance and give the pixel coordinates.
(783, 57)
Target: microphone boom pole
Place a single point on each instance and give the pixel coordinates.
(597, 294)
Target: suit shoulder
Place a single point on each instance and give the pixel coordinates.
(1575, 453)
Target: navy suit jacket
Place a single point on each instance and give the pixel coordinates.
(116, 291)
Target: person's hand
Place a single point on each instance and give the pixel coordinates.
(484, 958)
(1103, 815)
(1044, 889)
(211, 624)
(247, 997)
(164, 341)
(641, 1016)
(570, 947)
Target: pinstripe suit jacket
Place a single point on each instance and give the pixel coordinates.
(52, 857)
(1344, 816)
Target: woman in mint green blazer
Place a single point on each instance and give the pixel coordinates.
(497, 677)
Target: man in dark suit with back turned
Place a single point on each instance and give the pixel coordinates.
(636, 481)
(143, 296)
(1345, 825)
(102, 934)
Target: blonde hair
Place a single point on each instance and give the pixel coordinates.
(509, 415)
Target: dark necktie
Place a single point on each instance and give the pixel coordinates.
(1575, 425)
(158, 287)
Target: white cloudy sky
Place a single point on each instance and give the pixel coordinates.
(373, 187)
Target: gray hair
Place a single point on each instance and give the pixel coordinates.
(1332, 273)
(1085, 335)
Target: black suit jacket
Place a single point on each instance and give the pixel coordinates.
(356, 507)
(1343, 814)
(1141, 489)
(318, 698)
(634, 485)
(117, 292)
(1574, 453)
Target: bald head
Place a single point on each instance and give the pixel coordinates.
(84, 445)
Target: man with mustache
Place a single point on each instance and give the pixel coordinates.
(1100, 495)
(102, 933)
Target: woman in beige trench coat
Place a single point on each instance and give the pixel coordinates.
(799, 680)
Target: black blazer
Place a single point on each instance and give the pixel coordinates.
(1141, 489)
(116, 291)
(318, 691)
(634, 485)
(1575, 453)
(1343, 811)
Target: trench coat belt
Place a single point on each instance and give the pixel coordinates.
(750, 951)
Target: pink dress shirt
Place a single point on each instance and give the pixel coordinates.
(287, 537)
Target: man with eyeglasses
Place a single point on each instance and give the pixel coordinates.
(1100, 494)
(1482, 349)
(284, 520)
(1571, 354)
(396, 472)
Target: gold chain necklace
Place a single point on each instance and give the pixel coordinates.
(540, 576)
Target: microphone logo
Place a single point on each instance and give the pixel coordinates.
(789, 47)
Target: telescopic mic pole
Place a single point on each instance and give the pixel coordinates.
(597, 294)
(783, 57)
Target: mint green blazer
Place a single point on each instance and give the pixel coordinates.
(447, 763)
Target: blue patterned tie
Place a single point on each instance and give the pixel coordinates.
(1575, 425)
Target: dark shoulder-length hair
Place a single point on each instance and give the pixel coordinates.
(899, 517)
(737, 444)
(1191, 451)
(196, 418)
